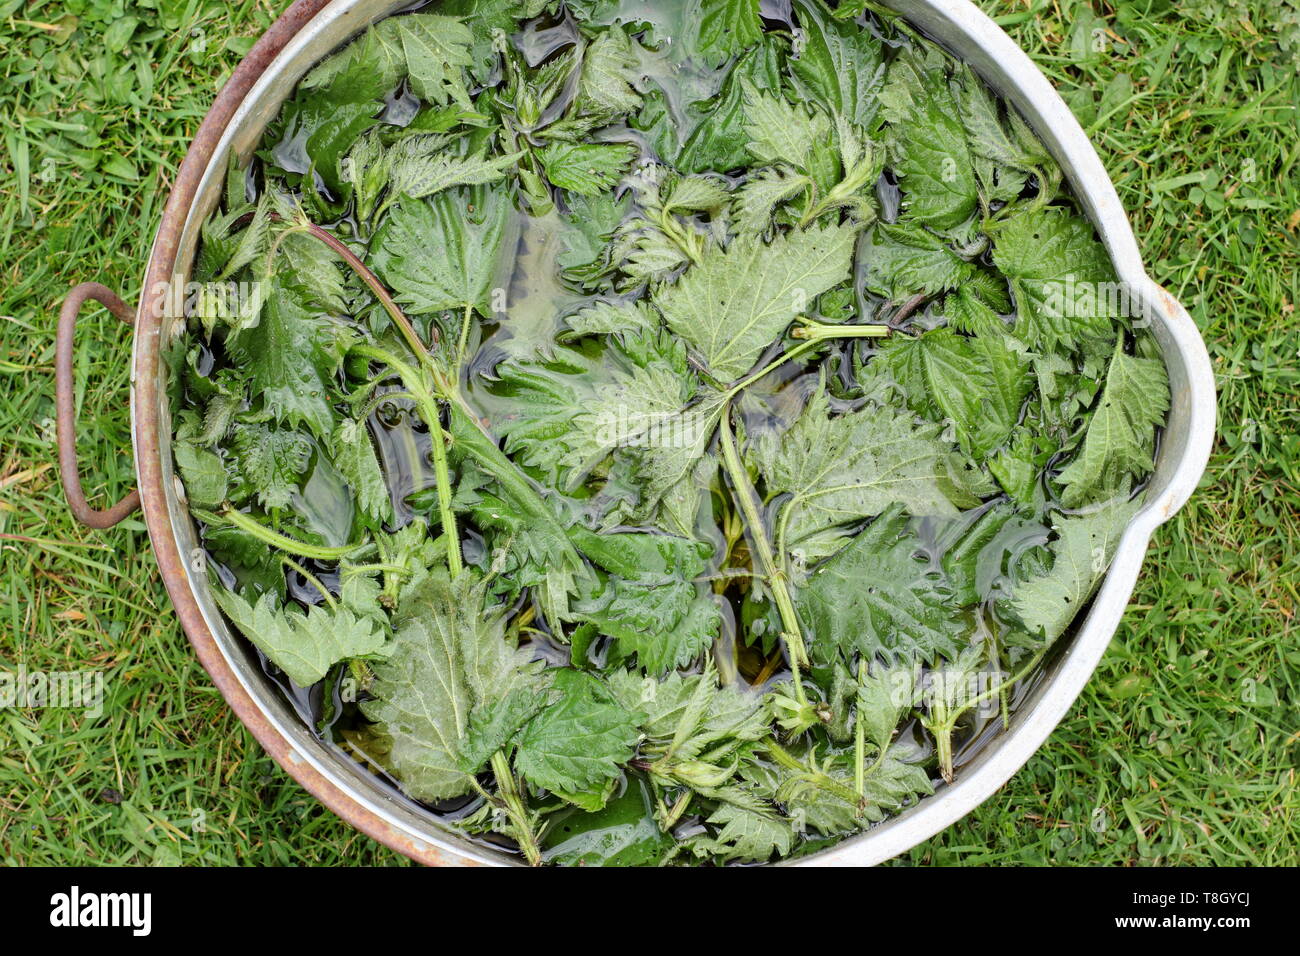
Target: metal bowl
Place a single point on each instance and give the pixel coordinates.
(251, 98)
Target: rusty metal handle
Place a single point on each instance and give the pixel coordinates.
(65, 399)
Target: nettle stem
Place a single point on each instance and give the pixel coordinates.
(415, 384)
(282, 542)
(512, 801)
(814, 331)
(942, 729)
(747, 499)
(427, 404)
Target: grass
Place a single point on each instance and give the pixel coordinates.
(1184, 747)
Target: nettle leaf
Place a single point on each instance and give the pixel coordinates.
(435, 50)
(762, 193)
(976, 306)
(842, 468)
(1120, 439)
(650, 602)
(883, 696)
(1085, 544)
(442, 254)
(354, 456)
(578, 742)
(609, 69)
(735, 301)
(451, 682)
(749, 834)
(289, 362)
(979, 383)
(591, 221)
(882, 594)
(988, 135)
(309, 268)
(728, 27)
(929, 143)
(782, 132)
(335, 102)
(272, 461)
(840, 66)
(203, 472)
(620, 317)
(564, 415)
(304, 646)
(689, 716)
(587, 169)
(1060, 275)
(903, 260)
(416, 167)
(483, 17)
(719, 140)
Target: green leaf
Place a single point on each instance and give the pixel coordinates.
(288, 361)
(435, 50)
(1058, 272)
(1045, 605)
(718, 142)
(614, 318)
(609, 68)
(929, 143)
(440, 254)
(565, 415)
(203, 472)
(354, 456)
(432, 174)
(416, 167)
(1118, 445)
(903, 260)
(587, 169)
(762, 193)
(979, 383)
(884, 695)
(272, 461)
(309, 268)
(782, 132)
(578, 742)
(728, 27)
(748, 834)
(881, 595)
(840, 66)
(689, 714)
(735, 301)
(446, 689)
(986, 133)
(306, 646)
(844, 468)
(649, 602)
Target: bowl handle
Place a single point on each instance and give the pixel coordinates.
(65, 404)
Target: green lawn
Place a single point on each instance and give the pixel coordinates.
(1185, 746)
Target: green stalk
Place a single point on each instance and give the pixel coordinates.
(820, 331)
(763, 548)
(508, 791)
(942, 730)
(275, 539)
(428, 407)
(860, 743)
(311, 579)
